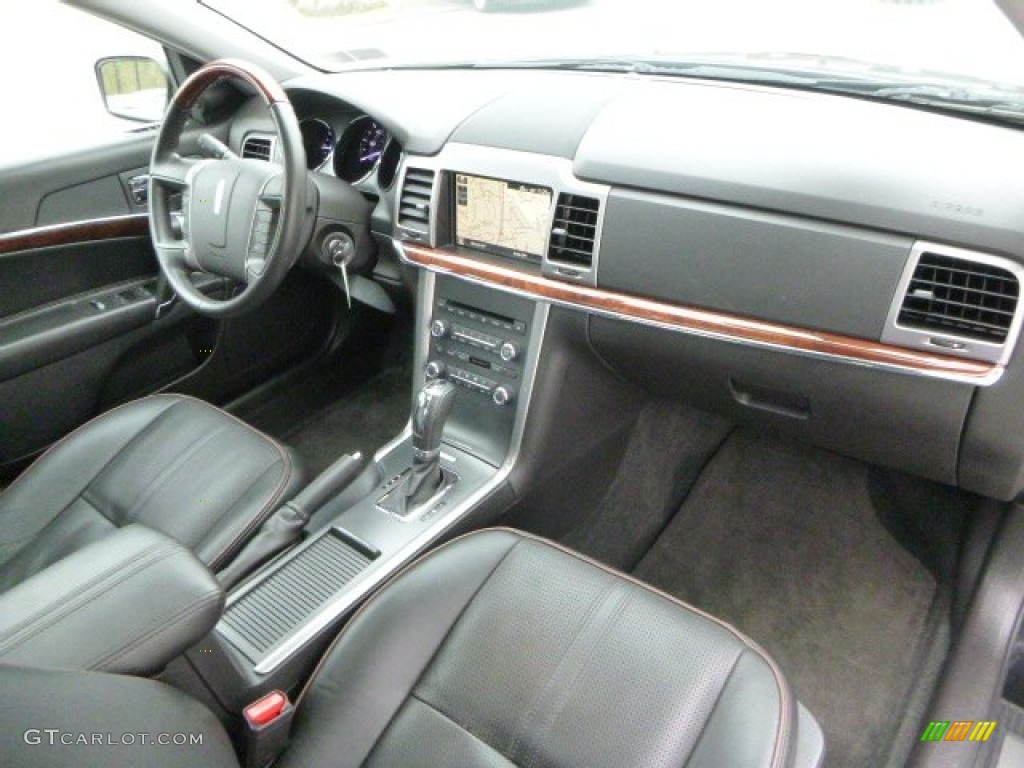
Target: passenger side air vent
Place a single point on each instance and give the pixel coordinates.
(258, 147)
(414, 202)
(960, 296)
(574, 230)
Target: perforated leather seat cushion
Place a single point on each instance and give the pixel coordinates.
(498, 649)
(502, 649)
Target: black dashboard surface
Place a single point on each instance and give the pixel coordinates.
(769, 204)
(890, 167)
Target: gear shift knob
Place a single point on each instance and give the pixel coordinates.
(429, 413)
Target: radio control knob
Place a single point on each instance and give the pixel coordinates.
(434, 370)
(439, 329)
(508, 352)
(501, 396)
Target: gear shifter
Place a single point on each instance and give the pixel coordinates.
(429, 414)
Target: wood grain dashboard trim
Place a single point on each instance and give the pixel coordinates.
(701, 321)
(133, 225)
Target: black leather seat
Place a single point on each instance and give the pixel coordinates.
(169, 462)
(496, 650)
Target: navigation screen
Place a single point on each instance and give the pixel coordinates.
(502, 217)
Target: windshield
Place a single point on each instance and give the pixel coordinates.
(924, 37)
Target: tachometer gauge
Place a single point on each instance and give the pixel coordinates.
(317, 140)
(359, 149)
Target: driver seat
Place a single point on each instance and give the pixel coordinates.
(170, 462)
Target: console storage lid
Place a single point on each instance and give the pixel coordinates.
(128, 603)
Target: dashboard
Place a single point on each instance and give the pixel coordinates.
(843, 270)
(353, 147)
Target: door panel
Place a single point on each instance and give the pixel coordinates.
(79, 284)
(40, 266)
(78, 294)
(73, 186)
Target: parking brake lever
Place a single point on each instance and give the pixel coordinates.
(283, 527)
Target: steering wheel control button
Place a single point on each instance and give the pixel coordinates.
(262, 232)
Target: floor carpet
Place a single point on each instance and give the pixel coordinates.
(783, 542)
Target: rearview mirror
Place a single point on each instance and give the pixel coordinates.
(133, 87)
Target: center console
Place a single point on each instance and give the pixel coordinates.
(476, 355)
(484, 349)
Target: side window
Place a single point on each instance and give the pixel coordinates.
(71, 79)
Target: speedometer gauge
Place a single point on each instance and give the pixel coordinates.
(317, 140)
(359, 149)
(371, 144)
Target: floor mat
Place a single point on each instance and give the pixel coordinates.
(667, 450)
(363, 419)
(782, 541)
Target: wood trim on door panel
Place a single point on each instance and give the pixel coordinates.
(115, 227)
(702, 321)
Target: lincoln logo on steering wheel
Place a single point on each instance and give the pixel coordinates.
(218, 198)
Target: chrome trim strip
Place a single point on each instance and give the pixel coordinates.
(981, 380)
(373, 577)
(448, 480)
(969, 348)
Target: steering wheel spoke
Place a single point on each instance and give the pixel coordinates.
(172, 171)
(173, 256)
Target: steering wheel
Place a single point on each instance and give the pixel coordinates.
(244, 219)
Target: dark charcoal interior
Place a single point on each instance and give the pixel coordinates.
(769, 368)
(790, 545)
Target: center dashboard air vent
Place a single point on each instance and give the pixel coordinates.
(258, 147)
(957, 301)
(574, 230)
(414, 201)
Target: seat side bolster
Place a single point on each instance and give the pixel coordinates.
(752, 722)
(810, 742)
(370, 671)
(67, 468)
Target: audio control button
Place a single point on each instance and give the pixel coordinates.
(434, 369)
(439, 329)
(508, 352)
(501, 396)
